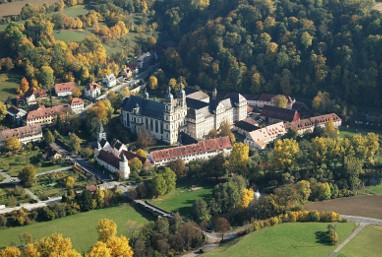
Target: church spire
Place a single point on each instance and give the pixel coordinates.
(101, 133)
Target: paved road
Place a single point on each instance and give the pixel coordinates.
(31, 206)
(363, 222)
(53, 171)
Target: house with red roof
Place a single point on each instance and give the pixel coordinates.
(64, 89)
(93, 90)
(77, 105)
(260, 138)
(201, 150)
(45, 116)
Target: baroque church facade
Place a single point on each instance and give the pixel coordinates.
(191, 111)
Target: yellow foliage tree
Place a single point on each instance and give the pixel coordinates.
(12, 144)
(239, 158)
(70, 181)
(99, 249)
(142, 153)
(285, 153)
(247, 196)
(153, 82)
(119, 247)
(24, 85)
(106, 229)
(10, 251)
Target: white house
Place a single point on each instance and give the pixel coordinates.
(260, 138)
(26, 134)
(64, 89)
(109, 81)
(77, 105)
(201, 150)
(92, 91)
(16, 115)
(32, 96)
(45, 115)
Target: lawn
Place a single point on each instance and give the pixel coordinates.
(9, 87)
(375, 190)
(290, 239)
(71, 35)
(366, 243)
(75, 11)
(81, 228)
(352, 131)
(181, 199)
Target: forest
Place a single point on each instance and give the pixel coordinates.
(291, 47)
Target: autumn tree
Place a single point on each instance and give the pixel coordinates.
(225, 131)
(10, 251)
(144, 138)
(285, 153)
(76, 92)
(221, 225)
(173, 83)
(153, 82)
(135, 165)
(238, 158)
(119, 246)
(12, 144)
(27, 175)
(70, 181)
(280, 101)
(99, 249)
(106, 229)
(24, 85)
(330, 130)
(3, 111)
(247, 197)
(141, 153)
(178, 166)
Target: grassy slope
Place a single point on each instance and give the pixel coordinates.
(181, 199)
(291, 239)
(8, 88)
(352, 131)
(366, 243)
(81, 228)
(71, 35)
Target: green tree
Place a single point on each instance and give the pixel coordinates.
(200, 211)
(74, 143)
(46, 77)
(135, 165)
(178, 166)
(49, 137)
(225, 131)
(85, 200)
(27, 175)
(159, 185)
(170, 178)
(280, 101)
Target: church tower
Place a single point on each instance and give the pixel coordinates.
(124, 168)
(101, 133)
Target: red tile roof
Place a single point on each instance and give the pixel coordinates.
(21, 132)
(92, 86)
(44, 112)
(210, 145)
(310, 122)
(64, 87)
(77, 101)
(279, 113)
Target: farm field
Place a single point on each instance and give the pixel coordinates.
(366, 243)
(14, 8)
(365, 205)
(284, 240)
(81, 228)
(181, 199)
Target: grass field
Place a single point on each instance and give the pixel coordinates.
(71, 35)
(181, 199)
(15, 163)
(366, 243)
(375, 190)
(9, 87)
(81, 228)
(365, 205)
(285, 240)
(352, 131)
(14, 8)
(75, 11)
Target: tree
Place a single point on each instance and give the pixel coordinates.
(135, 165)
(330, 130)
(85, 200)
(306, 39)
(12, 144)
(280, 101)
(332, 234)
(285, 153)
(178, 166)
(70, 182)
(49, 137)
(74, 143)
(27, 175)
(141, 153)
(99, 249)
(173, 83)
(10, 251)
(24, 85)
(170, 178)
(144, 138)
(159, 186)
(76, 92)
(153, 82)
(119, 247)
(238, 158)
(3, 111)
(221, 226)
(46, 77)
(200, 211)
(225, 131)
(106, 229)
(247, 197)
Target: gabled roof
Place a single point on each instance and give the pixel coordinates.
(201, 147)
(246, 125)
(77, 101)
(147, 107)
(113, 160)
(31, 91)
(279, 113)
(44, 112)
(21, 132)
(311, 122)
(64, 87)
(268, 133)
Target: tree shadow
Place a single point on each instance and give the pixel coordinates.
(322, 237)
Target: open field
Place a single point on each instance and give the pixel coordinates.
(181, 199)
(15, 163)
(366, 243)
(75, 11)
(285, 240)
(375, 190)
(81, 228)
(365, 205)
(9, 87)
(71, 35)
(352, 131)
(14, 8)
